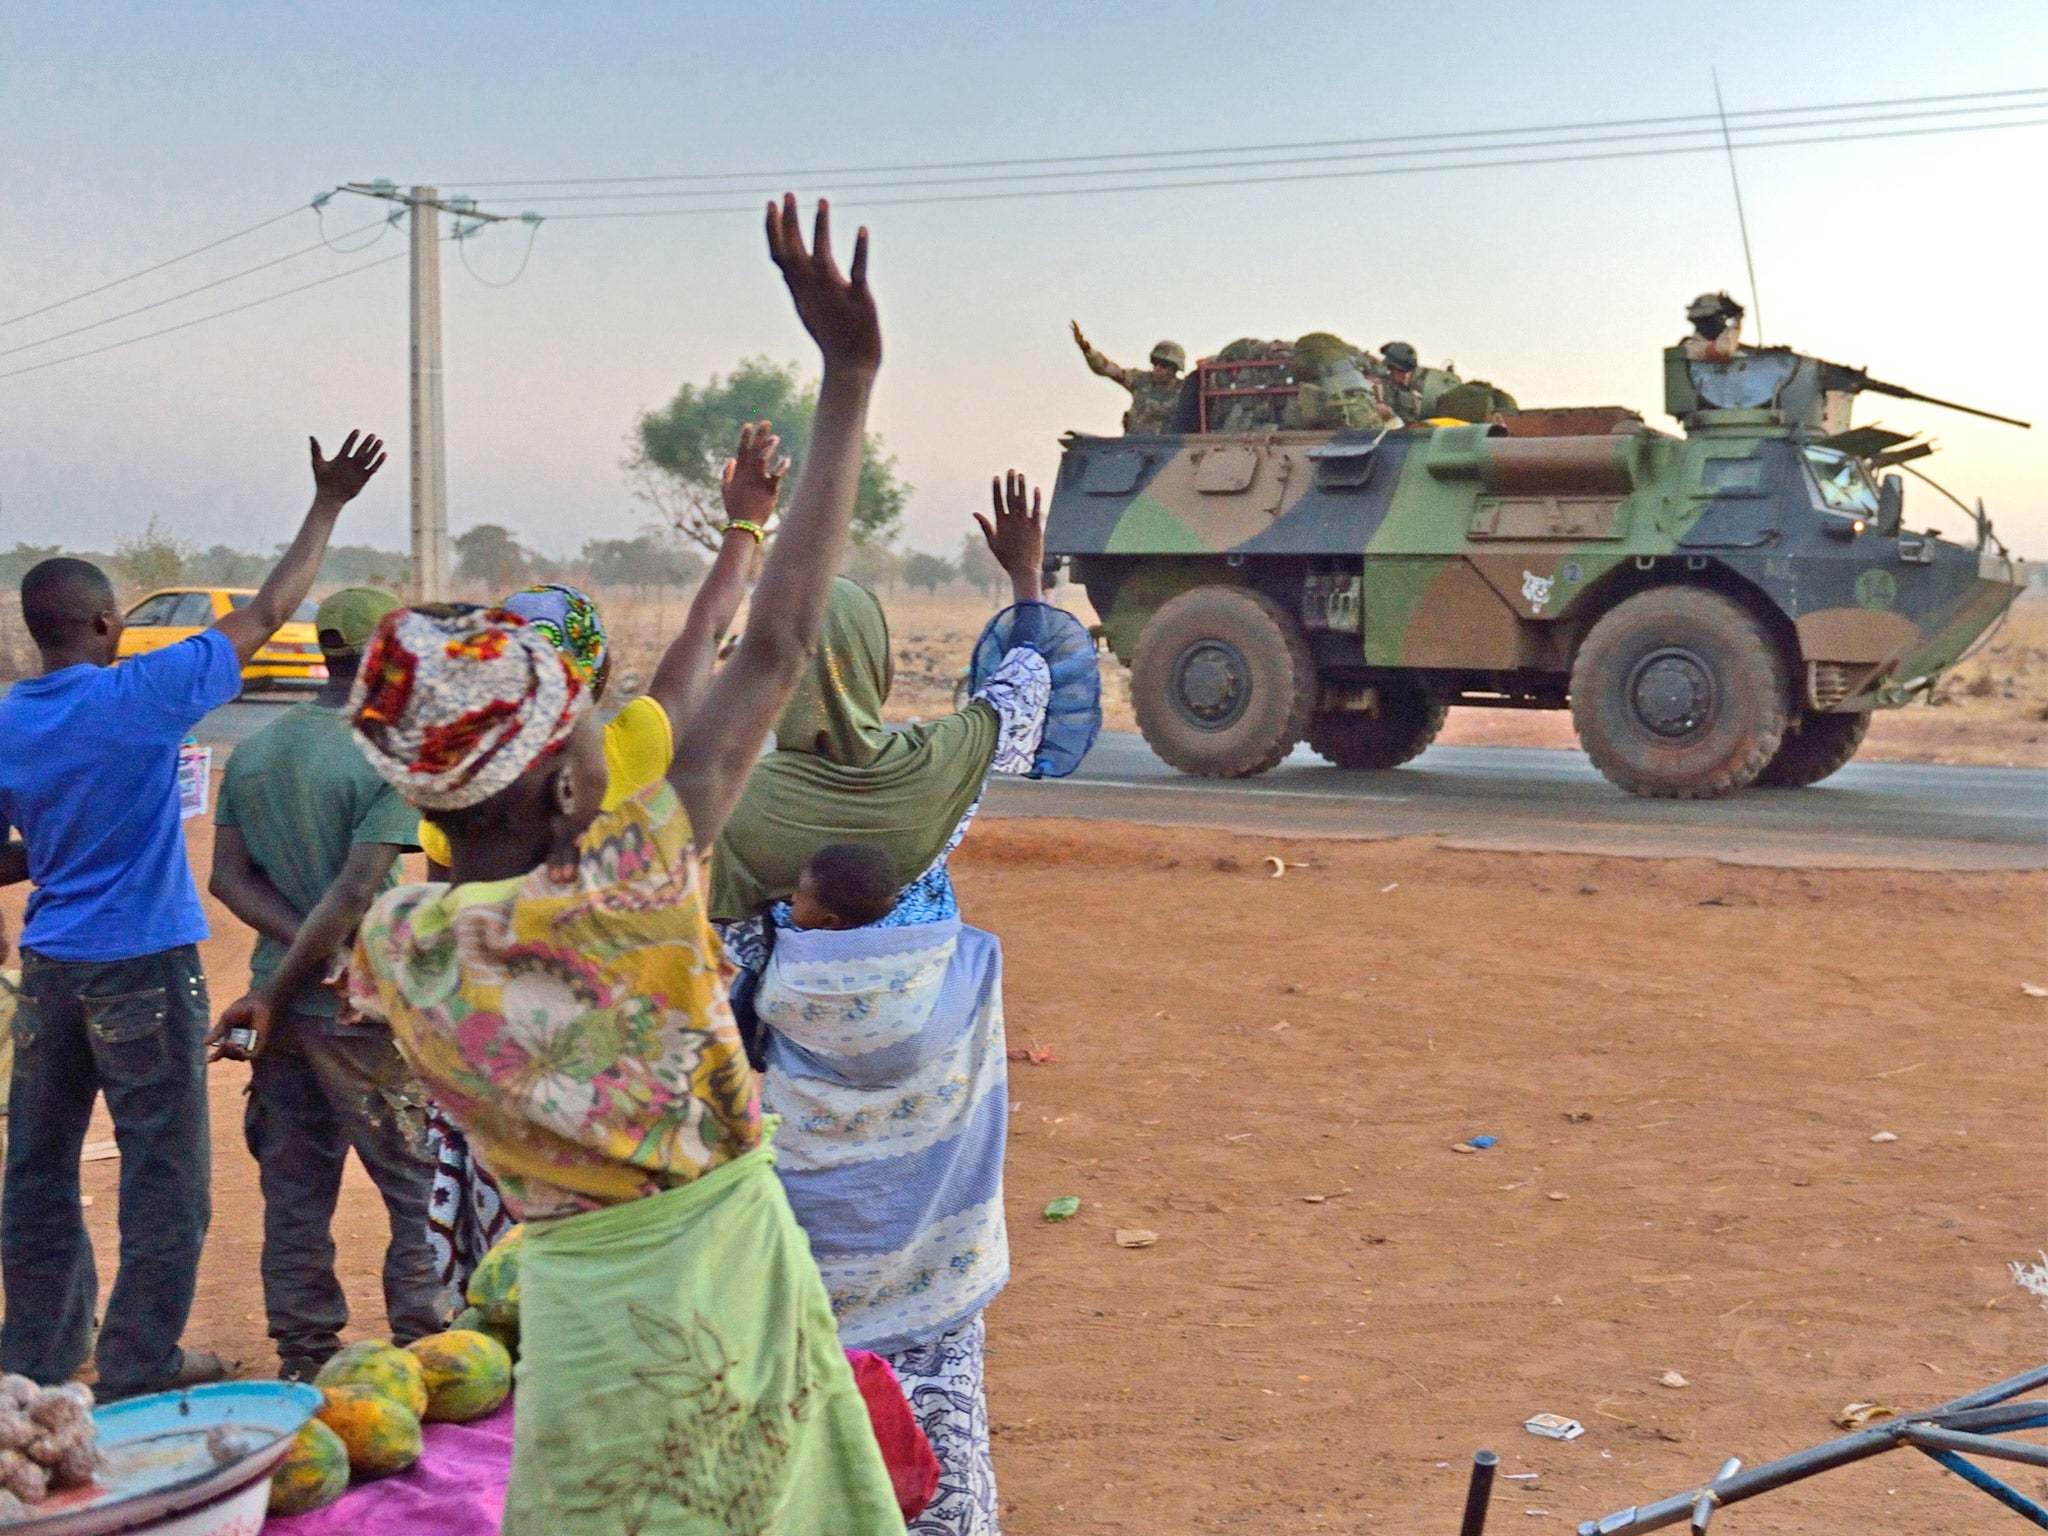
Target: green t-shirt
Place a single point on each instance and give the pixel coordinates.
(302, 795)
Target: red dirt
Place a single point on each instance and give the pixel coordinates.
(1735, 1036)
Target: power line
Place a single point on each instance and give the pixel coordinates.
(1344, 175)
(232, 277)
(1234, 149)
(1585, 141)
(197, 250)
(220, 314)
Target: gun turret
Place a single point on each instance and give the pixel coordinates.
(1809, 391)
(1851, 381)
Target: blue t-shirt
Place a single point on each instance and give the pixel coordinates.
(89, 777)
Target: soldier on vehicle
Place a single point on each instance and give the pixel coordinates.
(1716, 328)
(1399, 382)
(1154, 391)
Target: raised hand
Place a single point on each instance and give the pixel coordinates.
(1016, 537)
(837, 310)
(339, 480)
(1079, 340)
(752, 481)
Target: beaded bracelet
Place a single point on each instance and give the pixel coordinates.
(740, 525)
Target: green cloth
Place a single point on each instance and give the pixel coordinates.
(680, 1375)
(838, 775)
(352, 614)
(302, 795)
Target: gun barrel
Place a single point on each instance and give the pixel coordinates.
(1856, 379)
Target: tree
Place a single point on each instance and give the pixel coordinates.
(153, 558)
(874, 566)
(927, 571)
(679, 451)
(980, 567)
(651, 560)
(20, 560)
(491, 555)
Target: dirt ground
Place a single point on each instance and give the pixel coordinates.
(1684, 1064)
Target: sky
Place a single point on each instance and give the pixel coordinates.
(138, 131)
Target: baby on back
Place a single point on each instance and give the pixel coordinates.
(846, 885)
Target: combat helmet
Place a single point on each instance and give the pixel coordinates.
(1400, 357)
(1711, 313)
(1170, 354)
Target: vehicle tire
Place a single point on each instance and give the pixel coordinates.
(1222, 682)
(1819, 746)
(1407, 723)
(1679, 693)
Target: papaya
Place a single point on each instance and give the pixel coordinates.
(386, 1367)
(382, 1435)
(313, 1474)
(494, 1288)
(468, 1375)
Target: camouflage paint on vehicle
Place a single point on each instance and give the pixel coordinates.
(1481, 557)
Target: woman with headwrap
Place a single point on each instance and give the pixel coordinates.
(882, 1046)
(562, 998)
(466, 1213)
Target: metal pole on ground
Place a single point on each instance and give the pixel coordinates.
(1479, 1494)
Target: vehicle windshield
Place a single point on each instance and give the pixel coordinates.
(1844, 487)
(302, 615)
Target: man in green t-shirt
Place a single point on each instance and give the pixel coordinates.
(307, 835)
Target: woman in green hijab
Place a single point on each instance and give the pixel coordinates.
(838, 775)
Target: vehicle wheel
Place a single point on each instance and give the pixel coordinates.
(1406, 724)
(1819, 746)
(1679, 693)
(1222, 682)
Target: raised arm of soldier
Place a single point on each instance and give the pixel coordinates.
(1098, 364)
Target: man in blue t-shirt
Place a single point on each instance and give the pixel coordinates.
(112, 996)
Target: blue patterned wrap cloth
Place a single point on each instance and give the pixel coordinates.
(1073, 714)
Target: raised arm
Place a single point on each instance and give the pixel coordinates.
(1097, 363)
(751, 484)
(336, 482)
(716, 750)
(1016, 537)
(313, 947)
(237, 884)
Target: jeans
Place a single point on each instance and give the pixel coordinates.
(317, 1090)
(136, 1031)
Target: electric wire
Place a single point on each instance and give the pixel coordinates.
(462, 250)
(232, 277)
(1705, 118)
(221, 314)
(320, 214)
(1311, 176)
(198, 250)
(1261, 164)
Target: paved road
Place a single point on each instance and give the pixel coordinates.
(1902, 815)
(1871, 814)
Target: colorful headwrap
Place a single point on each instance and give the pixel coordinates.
(568, 618)
(453, 702)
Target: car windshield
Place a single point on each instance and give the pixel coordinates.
(1844, 487)
(303, 614)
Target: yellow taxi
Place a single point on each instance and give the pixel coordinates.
(291, 659)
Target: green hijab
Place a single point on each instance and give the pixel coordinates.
(838, 775)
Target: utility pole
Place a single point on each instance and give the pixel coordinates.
(431, 566)
(430, 562)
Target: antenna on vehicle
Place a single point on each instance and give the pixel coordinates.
(1756, 307)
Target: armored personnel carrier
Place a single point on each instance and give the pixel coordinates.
(1716, 609)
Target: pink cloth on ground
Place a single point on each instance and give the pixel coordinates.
(456, 1488)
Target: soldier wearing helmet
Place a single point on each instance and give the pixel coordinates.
(1400, 365)
(1716, 328)
(1154, 391)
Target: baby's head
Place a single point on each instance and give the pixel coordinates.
(846, 885)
